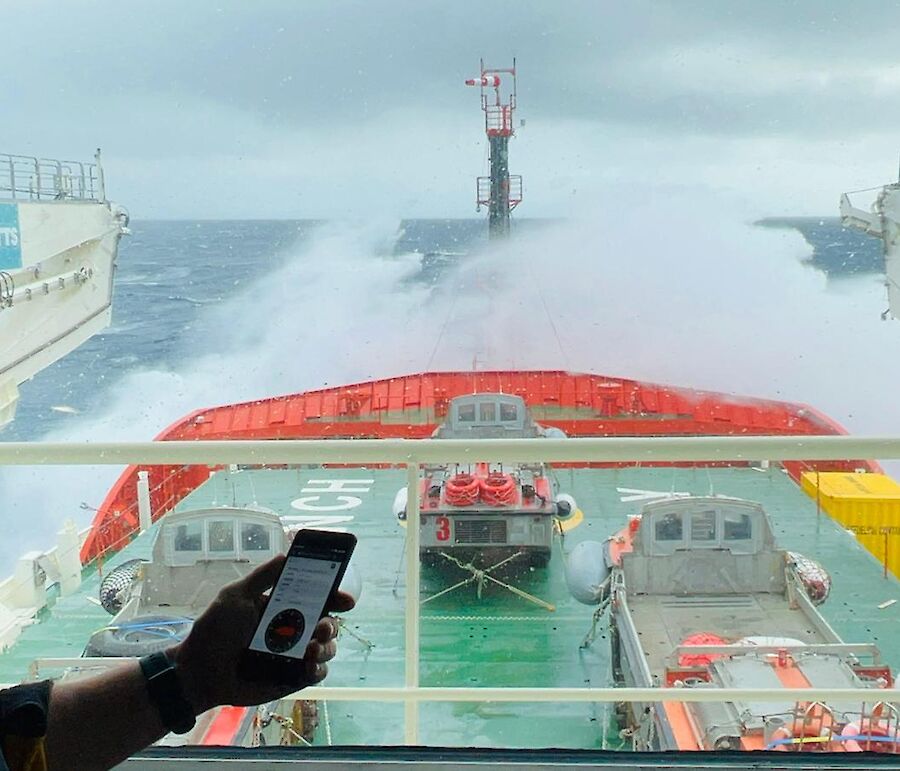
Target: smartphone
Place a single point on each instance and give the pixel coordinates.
(312, 573)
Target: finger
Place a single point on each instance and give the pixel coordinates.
(326, 629)
(340, 602)
(262, 577)
(315, 672)
(327, 652)
(317, 651)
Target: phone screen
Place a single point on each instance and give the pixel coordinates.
(297, 601)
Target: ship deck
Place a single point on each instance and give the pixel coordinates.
(498, 640)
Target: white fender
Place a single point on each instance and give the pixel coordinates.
(587, 569)
(568, 502)
(399, 507)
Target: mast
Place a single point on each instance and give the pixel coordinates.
(500, 192)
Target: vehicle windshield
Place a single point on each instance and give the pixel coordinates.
(496, 230)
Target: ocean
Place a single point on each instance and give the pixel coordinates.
(170, 271)
(207, 312)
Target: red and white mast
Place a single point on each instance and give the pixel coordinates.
(500, 192)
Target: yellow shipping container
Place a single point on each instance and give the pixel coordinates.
(866, 504)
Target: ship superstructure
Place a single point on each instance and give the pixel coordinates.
(59, 238)
(882, 220)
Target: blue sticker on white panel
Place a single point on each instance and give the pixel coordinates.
(10, 237)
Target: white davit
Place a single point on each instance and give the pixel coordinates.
(59, 238)
(882, 219)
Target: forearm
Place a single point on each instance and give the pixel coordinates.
(97, 722)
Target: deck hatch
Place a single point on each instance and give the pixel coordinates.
(480, 530)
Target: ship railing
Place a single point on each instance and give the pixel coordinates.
(24, 177)
(413, 454)
(855, 650)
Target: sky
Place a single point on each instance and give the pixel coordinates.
(278, 108)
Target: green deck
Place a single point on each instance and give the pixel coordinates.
(500, 640)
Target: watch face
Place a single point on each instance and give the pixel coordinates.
(284, 630)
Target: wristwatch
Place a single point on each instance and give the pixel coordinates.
(165, 692)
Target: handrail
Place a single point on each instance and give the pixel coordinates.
(404, 451)
(412, 453)
(32, 178)
(514, 695)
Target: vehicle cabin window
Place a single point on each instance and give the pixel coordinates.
(669, 528)
(221, 536)
(465, 413)
(508, 412)
(703, 526)
(189, 537)
(254, 537)
(737, 527)
(488, 412)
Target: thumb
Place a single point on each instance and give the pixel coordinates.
(340, 602)
(262, 577)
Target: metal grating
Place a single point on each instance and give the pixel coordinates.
(480, 530)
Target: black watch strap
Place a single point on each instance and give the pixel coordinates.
(165, 692)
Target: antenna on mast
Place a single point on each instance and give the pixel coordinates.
(500, 192)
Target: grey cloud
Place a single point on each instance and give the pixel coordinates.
(173, 86)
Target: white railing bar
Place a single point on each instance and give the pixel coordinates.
(411, 650)
(404, 451)
(560, 695)
(512, 695)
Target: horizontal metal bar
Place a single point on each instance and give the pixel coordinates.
(402, 451)
(560, 695)
(860, 649)
(512, 695)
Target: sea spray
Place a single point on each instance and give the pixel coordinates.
(672, 290)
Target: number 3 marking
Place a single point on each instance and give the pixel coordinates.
(443, 528)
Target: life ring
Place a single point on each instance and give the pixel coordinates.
(811, 730)
(139, 636)
(700, 659)
(498, 489)
(785, 739)
(462, 490)
(873, 737)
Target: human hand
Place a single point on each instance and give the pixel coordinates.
(207, 660)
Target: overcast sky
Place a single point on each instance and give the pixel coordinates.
(345, 109)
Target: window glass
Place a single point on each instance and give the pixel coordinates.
(488, 412)
(221, 536)
(254, 537)
(319, 249)
(703, 526)
(669, 528)
(737, 527)
(508, 412)
(189, 536)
